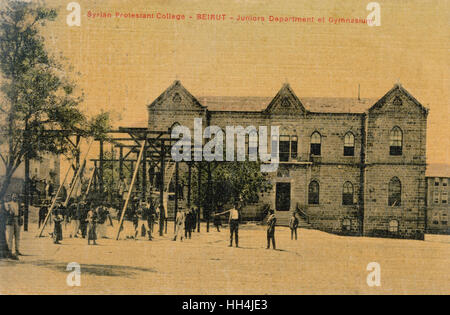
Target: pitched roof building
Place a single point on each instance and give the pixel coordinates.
(351, 166)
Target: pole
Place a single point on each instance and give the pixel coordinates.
(199, 188)
(161, 192)
(26, 191)
(176, 196)
(133, 179)
(189, 185)
(101, 165)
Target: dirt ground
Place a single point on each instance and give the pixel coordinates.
(316, 263)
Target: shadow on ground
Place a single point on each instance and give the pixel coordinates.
(91, 269)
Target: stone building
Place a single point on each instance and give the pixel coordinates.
(438, 209)
(352, 166)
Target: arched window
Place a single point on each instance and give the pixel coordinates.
(313, 193)
(349, 144)
(395, 192)
(315, 143)
(395, 141)
(347, 194)
(393, 226)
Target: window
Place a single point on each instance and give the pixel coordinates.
(444, 197)
(435, 217)
(395, 192)
(346, 225)
(396, 141)
(444, 219)
(313, 193)
(251, 143)
(284, 148)
(349, 144)
(393, 226)
(294, 147)
(436, 196)
(288, 147)
(444, 182)
(436, 181)
(315, 143)
(347, 194)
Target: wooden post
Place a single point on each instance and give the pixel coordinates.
(189, 185)
(199, 188)
(26, 199)
(101, 166)
(176, 196)
(133, 179)
(144, 172)
(209, 197)
(121, 163)
(161, 191)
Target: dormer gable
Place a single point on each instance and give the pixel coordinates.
(176, 97)
(285, 102)
(398, 99)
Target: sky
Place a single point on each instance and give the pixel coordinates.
(123, 64)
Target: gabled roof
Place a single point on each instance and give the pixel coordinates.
(288, 95)
(176, 87)
(398, 88)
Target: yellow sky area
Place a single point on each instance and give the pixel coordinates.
(125, 64)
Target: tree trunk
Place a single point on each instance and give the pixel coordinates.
(3, 190)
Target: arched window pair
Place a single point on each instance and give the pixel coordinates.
(347, 194)
(316, 143)
(314, 190)
(349, 144)
(396, 141)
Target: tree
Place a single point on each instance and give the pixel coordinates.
(38, 100)
(229, 182)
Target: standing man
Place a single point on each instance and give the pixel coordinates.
(14, 221)
(293, 225)
(179, 224)
(271, 229)
(150, 217)
(142, 220)
(233, 220)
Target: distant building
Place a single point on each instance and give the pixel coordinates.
(47, 169)
(438, 209)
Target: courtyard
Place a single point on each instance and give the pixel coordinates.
(317, 263)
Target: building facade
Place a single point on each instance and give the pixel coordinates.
(438, 209)
(352, 166)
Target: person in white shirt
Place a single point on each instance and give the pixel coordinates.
(13, 224)
(233, 221)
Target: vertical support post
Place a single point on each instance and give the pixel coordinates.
(101, 165)
(189, 185)
(96, 176)
(199, 188)
(26, 199)
(121, 163)
(209, 197)
(161, 191)
(144, 170)
(77, 156)
(176, 196)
